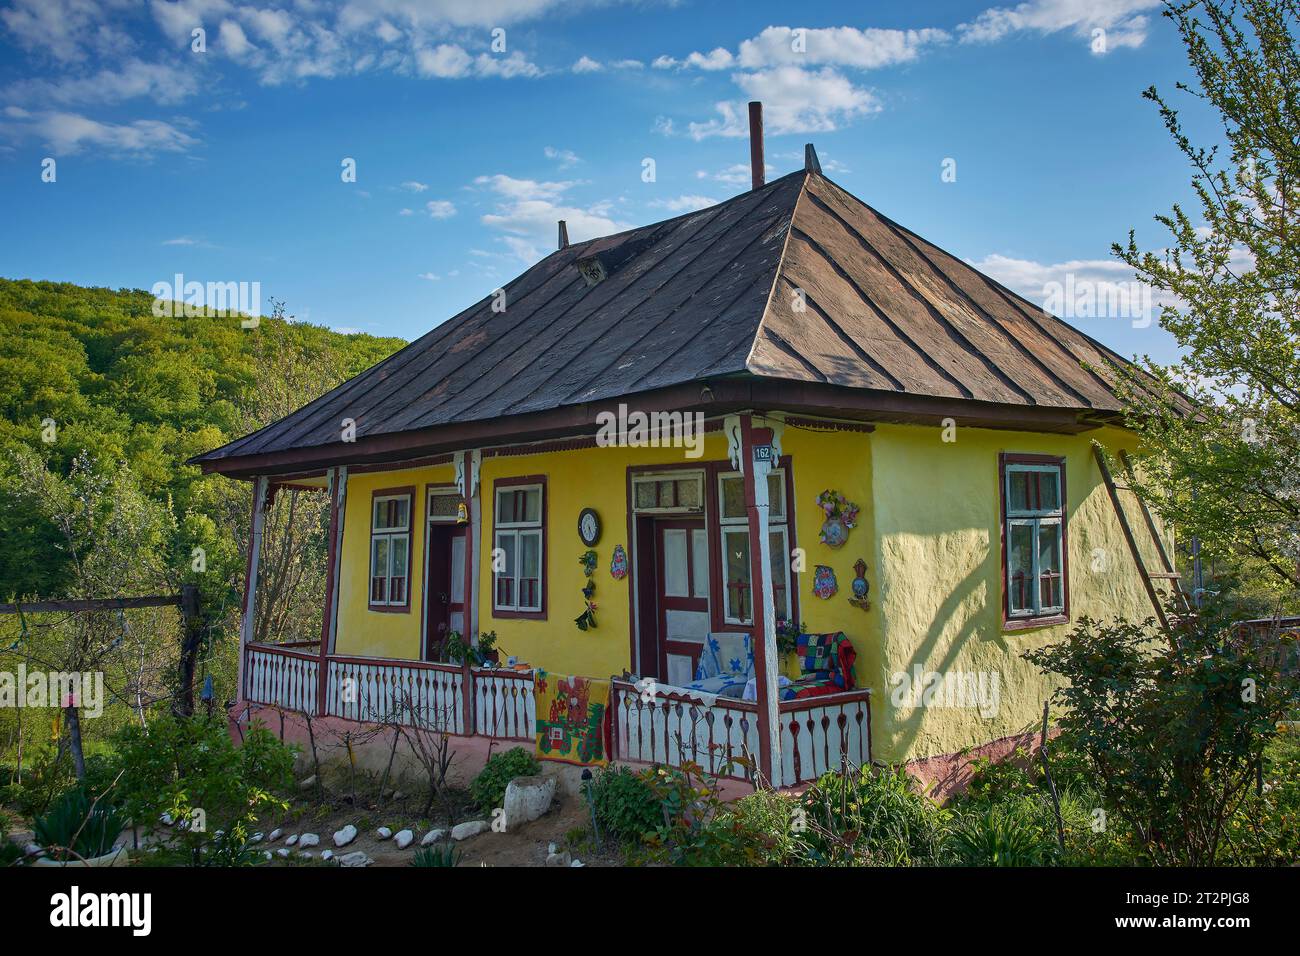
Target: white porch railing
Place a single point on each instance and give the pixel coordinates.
(283, 675)
(821, 733)
(504, 705)
(413, 693)
(667, 727)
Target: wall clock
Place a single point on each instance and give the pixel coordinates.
(589, 526)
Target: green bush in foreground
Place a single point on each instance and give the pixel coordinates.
(488, 789)
(624, 802)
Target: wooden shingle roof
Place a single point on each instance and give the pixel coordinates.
(797, 281)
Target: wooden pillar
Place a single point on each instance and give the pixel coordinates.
(338, 491)
(467, 479)
(755, 463)
(260, 486)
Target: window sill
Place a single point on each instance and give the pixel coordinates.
(389, 608)
(519, 615)
(1029, 623)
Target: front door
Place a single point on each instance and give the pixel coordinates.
(444, 590)
(681, 596)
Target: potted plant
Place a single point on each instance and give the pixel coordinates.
(77, 831)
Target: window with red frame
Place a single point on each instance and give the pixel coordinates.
(519, 549)
(1033, 555)
(390, 551)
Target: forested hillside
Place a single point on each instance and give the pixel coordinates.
(101, 403)
(133, 393)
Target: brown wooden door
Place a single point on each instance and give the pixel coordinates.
(444, 607)
(681, 597)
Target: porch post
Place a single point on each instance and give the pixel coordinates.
(467, 479)
(338, 490)
(260, 486)
(755, 468)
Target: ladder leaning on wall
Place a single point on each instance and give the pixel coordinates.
(1149, 578)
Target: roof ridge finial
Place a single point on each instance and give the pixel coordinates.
(564, 235)
(810, 162)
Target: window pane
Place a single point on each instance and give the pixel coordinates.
(699, 562)
(530, 570)
(674, 562)
(688, 492)
(379, 557)
(397, 555)
(1020, 566)
(735, 559)
(733, 497)
(776, 495)
(458, 570)
(645, 494)
(505, 506)
(443, 506)
(1049, 564)
(780, 558)
(1019, 491)
(506, 576)
(532, 505)
(667, 495)
(379, 518)
(1049, 490)
(401, 512)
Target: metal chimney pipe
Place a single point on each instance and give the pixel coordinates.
(756, 143)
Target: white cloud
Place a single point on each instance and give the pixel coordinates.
(67, 30)
(415, 187)
(586, 64)
(446, 61)
(432, 277)
(67, 133)
(565, 157)
(440, 208)
(163, 83)
(180, 241)
(234, 40)
(867, 49)
(735, 175)
(719, 58)
(1079, 289)
(1119, 21)
(511, 188)
(685, 203)
(527, 215)
(406, 212)
(794, 101)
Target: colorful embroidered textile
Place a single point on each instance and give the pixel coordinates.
(726, 663)
(571, 718)
(825, 665)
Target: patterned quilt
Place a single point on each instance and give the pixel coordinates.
(571, 718)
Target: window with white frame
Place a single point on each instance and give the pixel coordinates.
(519, 539)
(737, 580)
(1033, 507)
(390, 550)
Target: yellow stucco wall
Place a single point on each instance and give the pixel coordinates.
(937, 515)
(929, 532)
(362, 632)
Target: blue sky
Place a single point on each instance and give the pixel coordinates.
(225, 164)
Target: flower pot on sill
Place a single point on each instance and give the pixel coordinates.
(115, 857)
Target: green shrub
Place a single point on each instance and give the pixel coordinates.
(870, 817)
(1265, 830)
(624, 802)
(446, 855)
(190, 769)
(488, 789)
(1175, 727)
(1013, 832)
(78, 827)
(757, 830)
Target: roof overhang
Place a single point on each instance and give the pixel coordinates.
(711, 396)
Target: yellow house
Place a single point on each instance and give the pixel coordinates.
(654, 454)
